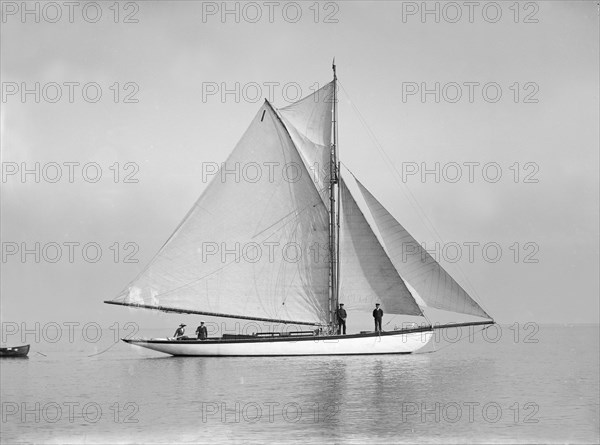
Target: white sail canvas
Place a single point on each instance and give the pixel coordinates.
(244, 249)
(279, 236)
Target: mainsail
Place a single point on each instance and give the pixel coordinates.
(243, 250)
(417, 267)
(367, 275)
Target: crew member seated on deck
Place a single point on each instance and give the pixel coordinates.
(202, 332)
(179, 333)
(341, 319)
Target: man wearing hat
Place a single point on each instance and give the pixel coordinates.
(179, 332)
(202, 332)
(378, 316)
(341, 319)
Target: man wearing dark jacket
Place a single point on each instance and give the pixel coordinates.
(378, 316)
(341, 319)
(202, 332)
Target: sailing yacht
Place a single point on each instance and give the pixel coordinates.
(279, 236)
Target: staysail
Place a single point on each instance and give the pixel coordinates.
(417, 267)
(244, 249)
(367, 276)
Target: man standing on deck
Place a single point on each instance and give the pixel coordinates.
(341, 319)
(202, 332)
(378, 316)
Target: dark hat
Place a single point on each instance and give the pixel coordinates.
(341, 304)
(182, 324)
(377, 304)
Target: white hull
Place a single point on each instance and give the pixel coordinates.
(386, 343)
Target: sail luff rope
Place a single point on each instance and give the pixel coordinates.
(411, 198)
(476, 302)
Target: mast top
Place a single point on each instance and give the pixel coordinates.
(333, 67)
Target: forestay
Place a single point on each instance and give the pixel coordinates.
(417, 267)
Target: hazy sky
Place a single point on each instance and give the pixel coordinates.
(543, 57)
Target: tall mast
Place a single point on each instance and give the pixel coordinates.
(334, 222)
(338, 171)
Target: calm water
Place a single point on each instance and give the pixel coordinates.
(511, 391)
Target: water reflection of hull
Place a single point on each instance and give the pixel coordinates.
(395, 342)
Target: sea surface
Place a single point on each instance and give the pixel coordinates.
(531, 384)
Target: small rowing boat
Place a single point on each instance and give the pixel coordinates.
(17, 351)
